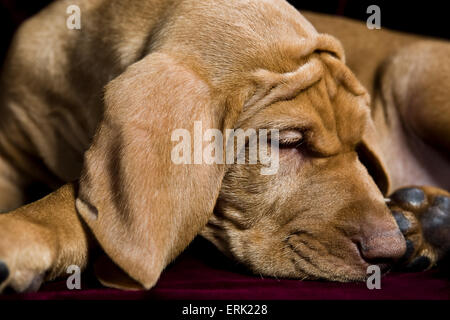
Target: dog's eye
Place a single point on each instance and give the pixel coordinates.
(290, 138)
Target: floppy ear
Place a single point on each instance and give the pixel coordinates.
(142, 207)
(371, 157)
(368, 150)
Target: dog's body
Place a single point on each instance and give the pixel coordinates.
(213, 58)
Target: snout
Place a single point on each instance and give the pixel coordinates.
(382, 246)
(380, 240)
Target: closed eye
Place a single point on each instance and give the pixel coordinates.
(291, 139)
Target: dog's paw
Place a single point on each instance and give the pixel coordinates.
(25, 254)
(423, 216)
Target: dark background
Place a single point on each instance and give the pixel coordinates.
(429, 17)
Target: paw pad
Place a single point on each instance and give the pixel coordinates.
(419, 264)
(403, 223)
(443, 203)
(436, 223)
(423, 217)
(409, 198)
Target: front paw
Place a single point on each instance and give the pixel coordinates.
(26, 254)
(423, 216)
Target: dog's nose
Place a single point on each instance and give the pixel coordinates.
(381, 242)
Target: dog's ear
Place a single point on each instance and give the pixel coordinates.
(371, 157)
(143, 208)
(368, 149)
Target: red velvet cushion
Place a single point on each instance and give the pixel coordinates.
(202, 273)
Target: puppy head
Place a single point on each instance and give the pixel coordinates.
(321, 215)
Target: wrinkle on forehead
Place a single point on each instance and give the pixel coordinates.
(322, 95)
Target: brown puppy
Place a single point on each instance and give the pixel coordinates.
(229, 64)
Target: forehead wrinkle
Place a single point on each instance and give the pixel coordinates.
(321, 84)
(322, 104)
(272, 87)
(324, 137)
(341, 102)
(352, 120)
(341, 116)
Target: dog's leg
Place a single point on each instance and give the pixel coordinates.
(40, 240)
(417, 83)
(423, 215)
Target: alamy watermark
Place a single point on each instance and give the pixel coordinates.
(374, 20)
(73, 21)
(374, 277)
(238, 147)
(74, 280)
